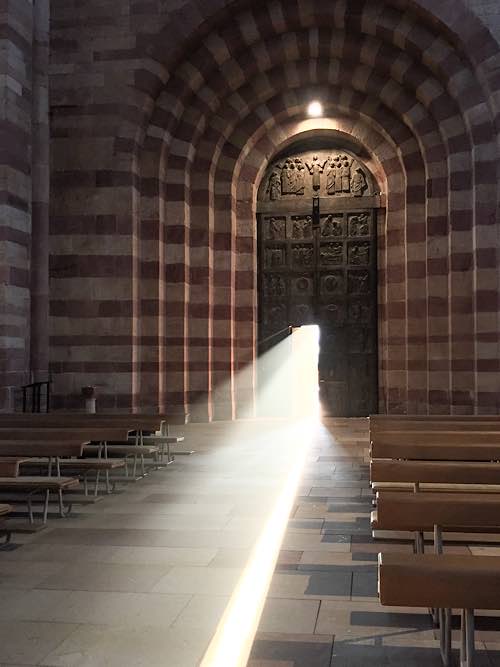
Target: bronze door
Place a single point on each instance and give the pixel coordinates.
(322, 270)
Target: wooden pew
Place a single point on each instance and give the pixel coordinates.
(114, 437)
(437, 437)
(451, 512)
(435, 451)
(428, 418)
(446, 582)
(96, 434)
(80, 467)
(410, 425)
(9, 465)
(46, 449)
(32, 484)
(4, 530)
(138, 454)
(140, 426)
(389, 474)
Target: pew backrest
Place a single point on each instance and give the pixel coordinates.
(35, 448)
(435, 452)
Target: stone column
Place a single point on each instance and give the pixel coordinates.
(40, 193)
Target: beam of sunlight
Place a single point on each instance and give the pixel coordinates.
(275, 454)
(232, 642)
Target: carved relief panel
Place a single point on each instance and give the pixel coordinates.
(326, 173)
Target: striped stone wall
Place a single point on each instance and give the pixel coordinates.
(16, 41)
(162, 123)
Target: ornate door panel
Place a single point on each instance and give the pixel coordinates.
(319, 267)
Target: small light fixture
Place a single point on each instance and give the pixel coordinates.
(315, 109)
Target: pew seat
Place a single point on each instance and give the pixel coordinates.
(469, 512)
(30, 485)
(444, 582)
(163, 442)
(5, 532)
(9, 465)
(82, 468)
(439, 472)
(435, 488)
(138, 454)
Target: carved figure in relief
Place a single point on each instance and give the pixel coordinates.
(302, 227)
(287, 177)
(338, 174)
(275, 257)
(276, 229)
(359, 312)
(292, 177)
(345, 173)
(274, 186)
(331, 226)
(331, 176)
(358, 183)
(299, 176)
(274, 286)
(302, 255)
(316, 168)
(358, 282)
(359, 254)
(332, 253)
(359, 225)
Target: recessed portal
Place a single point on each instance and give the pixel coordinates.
(318, 265)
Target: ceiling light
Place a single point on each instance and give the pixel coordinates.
(315, 109)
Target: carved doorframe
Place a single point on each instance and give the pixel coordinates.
(314, 268)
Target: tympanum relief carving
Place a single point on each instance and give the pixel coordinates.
(324, 174)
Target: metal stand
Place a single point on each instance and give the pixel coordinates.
(467, 646)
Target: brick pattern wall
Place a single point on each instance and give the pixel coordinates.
(16, 38)
(163, 121)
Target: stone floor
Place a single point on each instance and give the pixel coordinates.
(322, 608)
(143, 577)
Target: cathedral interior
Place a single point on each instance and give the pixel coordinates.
(250, 272)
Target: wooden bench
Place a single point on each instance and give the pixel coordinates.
(80, 467)
(52, 433)
(48, 449)
(9, 466)
(433, 418)
(138, 454)
(417, 474)
(437, 437)
(32, 485)
(454, 512)
(4, 531)
(445, 582)
(435, 451)
(435, 427)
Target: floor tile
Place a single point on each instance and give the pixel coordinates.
(289, 616)
(280, 650)
(28, 643)
(93, 646)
